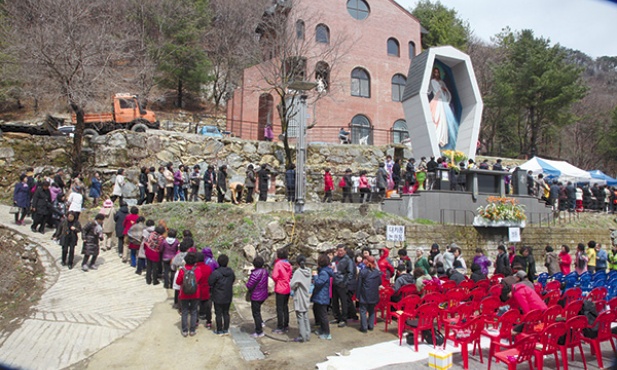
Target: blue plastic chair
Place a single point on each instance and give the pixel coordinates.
(558, 276)
(600, 275)
(542, 278)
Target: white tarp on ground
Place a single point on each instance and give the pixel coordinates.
(561, 169)
(389, 353)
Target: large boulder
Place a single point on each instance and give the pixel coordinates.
(275, 231)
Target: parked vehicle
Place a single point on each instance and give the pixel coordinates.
(211, 131)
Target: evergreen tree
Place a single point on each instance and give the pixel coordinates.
(443, 25)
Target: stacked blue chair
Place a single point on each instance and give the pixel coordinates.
(599, 275)
(572, 280)
(612, 274)
(557, 276)
(585, 283)
(543, 278)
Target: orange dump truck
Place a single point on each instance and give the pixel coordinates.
(126, 113)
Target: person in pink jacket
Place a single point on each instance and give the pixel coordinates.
(520, 296)
(328, 186)
(281, 274)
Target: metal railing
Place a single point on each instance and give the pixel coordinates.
(457, 216)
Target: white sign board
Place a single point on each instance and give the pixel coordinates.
(514, 234)
(395, 233)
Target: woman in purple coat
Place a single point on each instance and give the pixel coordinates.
(258, 286)
(481, 260)
(21, 199)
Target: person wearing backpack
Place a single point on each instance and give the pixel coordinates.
(281, 274)
(69, 230)
(300, 285)
(129, 221)
(257, 285)
(134, 236)
(221, 290)
(119, 219)
(152, 248)
(92, 233)
(580, 259)
(169, 248)
(176, 263)
(189, 279)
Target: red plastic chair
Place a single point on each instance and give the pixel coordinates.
(597, 294)
(467, 284)
(572, 310)
(574, 335)
(496, 279)
(532, 320)
(477, 294)
(600, 306)
(454, 298)
(549, 343)
(573, 294)
(504, 333)
(465, 334)
(431, 288)
(484, 284)
(407, 304)
(449, 284)
(464, 313)
(424, 320)
(444, 278)
(553, 285)
(489, 307)
(435, 298)
(551, 314)
(552, 297)
(407, 290)
(384, 302)
(603, 323)
(613, 304)
(495, 290)
(523, 351)
(538, 287)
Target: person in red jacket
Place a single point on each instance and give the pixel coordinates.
(328, 186)
(129, 220)
(565, 260)
(386, 268)
(523, 298)
(281, 274)
(189, 302)
(204, 290)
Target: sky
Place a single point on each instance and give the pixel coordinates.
(586, 25)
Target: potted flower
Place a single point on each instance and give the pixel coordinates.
(501, 212)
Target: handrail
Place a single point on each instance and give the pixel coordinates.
(466, 221)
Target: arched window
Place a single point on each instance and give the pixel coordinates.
(393, 47)
(361, 131)
(399, 131)
(412, 50)
(358, 9)
(398, 87)
(360, 83)
(322, 76)
(300, 29)
(322, 34)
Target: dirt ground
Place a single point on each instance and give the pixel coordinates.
(158, 344)
(21, 278)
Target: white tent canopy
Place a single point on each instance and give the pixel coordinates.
(561, 169)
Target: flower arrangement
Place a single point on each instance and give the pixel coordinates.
(455, 158)
(502, 209)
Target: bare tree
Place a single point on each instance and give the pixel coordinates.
(71, 48)
(285, 53)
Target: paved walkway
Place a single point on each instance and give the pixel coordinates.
(80, 312)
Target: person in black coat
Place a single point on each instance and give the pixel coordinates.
(367, 292)
(527, 262)
(221, 283)
(119, 219)
(264, 176)
(209, 181)
(41, 207)
(396, 174)
(221, 183)
(502, 264)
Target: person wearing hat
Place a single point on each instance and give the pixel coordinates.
(348, 183)
(249, 183)
(328, 186)
(521, 277)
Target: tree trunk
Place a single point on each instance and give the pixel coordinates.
(282, 110)
(533, 145)
(77, 138)
(179, 102)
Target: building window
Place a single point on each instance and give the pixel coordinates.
(300, 29)
(412, 50)
(360, 83)
(322, 76)
(398, 87)
(361, 131)
(322, 34)
(358, 9)
(393, 47)
(399, 131)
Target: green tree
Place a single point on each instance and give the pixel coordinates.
(176, 45)
(536, 85)
(443, 25)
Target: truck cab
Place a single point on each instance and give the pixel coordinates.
(126, 109)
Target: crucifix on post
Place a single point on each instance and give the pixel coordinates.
(303, 87)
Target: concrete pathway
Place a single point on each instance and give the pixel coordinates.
(80, 312)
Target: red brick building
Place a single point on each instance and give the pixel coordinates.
(365, 85)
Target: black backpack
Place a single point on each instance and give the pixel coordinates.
(427, 336)
(189, 282)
